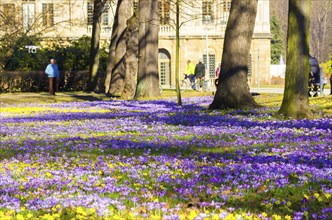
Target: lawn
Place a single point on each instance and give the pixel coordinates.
(86, 156)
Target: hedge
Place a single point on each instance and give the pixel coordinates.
(37, 81)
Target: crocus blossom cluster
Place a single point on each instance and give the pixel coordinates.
(156, 160)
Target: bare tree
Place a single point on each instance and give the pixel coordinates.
(148, 76)
(321, 29)
(185, 11)
(193, 15)
(295, 102)
(233, 90)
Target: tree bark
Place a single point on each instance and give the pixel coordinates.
(95, 41)
(295, 102)
(130, 58)
(148, 76)
(233, 90)
(117, 50)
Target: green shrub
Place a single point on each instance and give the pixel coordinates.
(37, 81)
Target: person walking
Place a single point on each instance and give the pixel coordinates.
(53, 73)
(200, 74)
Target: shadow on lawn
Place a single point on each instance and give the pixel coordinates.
(168, 113)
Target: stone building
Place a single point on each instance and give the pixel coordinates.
(201, 34)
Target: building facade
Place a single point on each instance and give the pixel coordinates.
(203, 24)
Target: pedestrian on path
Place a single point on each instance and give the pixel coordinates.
(53, 74)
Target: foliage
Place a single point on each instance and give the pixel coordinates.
(74, 57)
(276, 41)
(16, 57)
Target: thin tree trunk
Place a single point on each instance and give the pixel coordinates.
(233, 90)
(95, 41)
(148, 76)
(295, 102)
(177, 80)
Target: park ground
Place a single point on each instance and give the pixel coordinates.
(83, 155)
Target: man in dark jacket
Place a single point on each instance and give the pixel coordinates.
(314, 76)
(200, 74)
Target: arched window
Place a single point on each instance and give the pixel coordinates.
(164, 66)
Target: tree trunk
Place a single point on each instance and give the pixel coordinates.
(177, 62)
(117, 48)
(295, 102)
(95, 41)
(233, 90)
(148, 76)
(130, 58)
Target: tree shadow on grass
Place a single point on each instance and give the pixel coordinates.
(164, 112)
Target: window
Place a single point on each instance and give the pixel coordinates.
(28, 12)
(212, 64)
(164, 67)
(164, 9)
(48, 14)
(207, 11)
(105, 16)
(90, 13)
(226, 5)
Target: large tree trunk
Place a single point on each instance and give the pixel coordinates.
(117, 49)
(130, 60)
(95, 41)
(233, 90)
(148, 76)
(295, 103)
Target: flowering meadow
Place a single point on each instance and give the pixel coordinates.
(156, 160)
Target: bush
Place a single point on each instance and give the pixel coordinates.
(37, 81)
